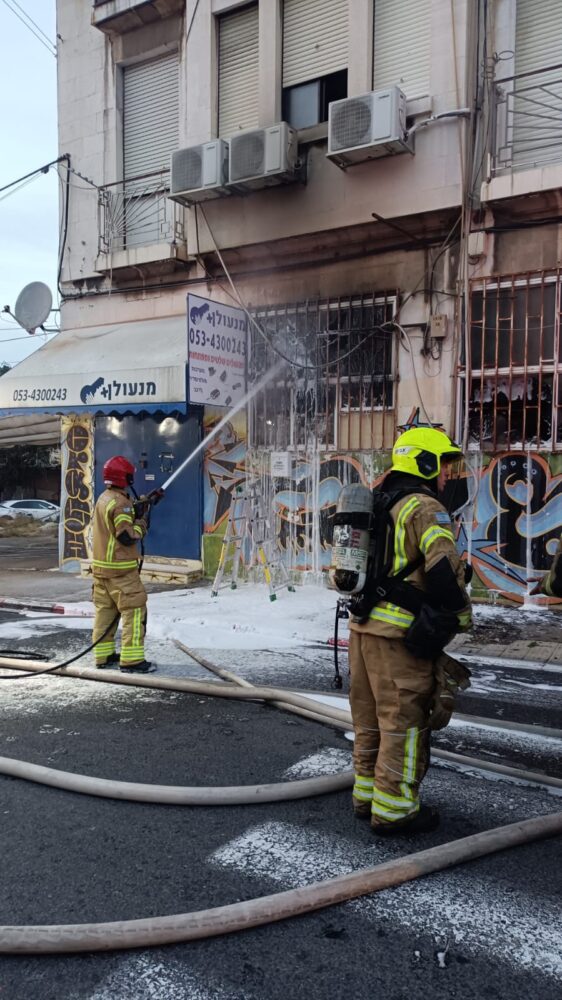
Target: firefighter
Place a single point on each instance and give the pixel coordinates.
(118, 591)
(551, 584)
(394, 649)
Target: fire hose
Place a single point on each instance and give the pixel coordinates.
(155, 931)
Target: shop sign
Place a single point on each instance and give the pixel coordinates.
(217, 349)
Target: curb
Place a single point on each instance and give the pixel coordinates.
(52, 609)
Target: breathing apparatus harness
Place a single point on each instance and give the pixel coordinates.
(362, 557)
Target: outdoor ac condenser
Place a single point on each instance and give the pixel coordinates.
(368, 127)
(200, 172)
(263, 157)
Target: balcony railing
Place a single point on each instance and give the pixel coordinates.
(527, 120)
(137, 213)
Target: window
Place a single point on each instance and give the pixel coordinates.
(345, 382)
(238, 70)
(315, 58)
(307, 104)
(150, 136)
(515, 385)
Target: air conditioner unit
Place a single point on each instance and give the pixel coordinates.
(368, 127)
(263, 157)
(199, 172)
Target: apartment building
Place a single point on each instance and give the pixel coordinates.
(359, 197)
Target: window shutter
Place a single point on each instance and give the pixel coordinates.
(402, 46)
(536, 105)
(150, 115)
(315, 39)
(238, 71)
(538, 39)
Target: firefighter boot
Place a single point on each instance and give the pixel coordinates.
(112, 660)
(362, 811)
(144, 667)
(425, 820)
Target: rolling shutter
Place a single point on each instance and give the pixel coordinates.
(238, 71)
(150, 115)
(315, 39)
(538, 39)
(536, 105)
(402, 46)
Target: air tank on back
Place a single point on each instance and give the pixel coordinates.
(352, 539)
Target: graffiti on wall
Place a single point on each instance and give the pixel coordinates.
(511, 528)
(77, 492)
(225, 468)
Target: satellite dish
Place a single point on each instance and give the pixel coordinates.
(33, 305)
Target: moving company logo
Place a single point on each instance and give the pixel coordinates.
(114, 390)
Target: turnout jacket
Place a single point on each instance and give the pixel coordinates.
(116, 533)
(423, 527)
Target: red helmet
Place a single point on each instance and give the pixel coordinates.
(118, 471)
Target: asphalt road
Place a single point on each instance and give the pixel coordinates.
(480, 932)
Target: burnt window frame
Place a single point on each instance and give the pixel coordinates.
(534, 365)
(332, 379)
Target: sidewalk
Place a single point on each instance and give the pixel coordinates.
(531, 651)
(50, 591)
(53, 592)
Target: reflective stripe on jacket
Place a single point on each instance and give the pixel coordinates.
(421, 526)
(113, 516)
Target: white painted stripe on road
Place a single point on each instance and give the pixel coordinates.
(461, 906)
(145, 978)
(330, 760)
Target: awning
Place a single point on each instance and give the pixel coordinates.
(127, 367)
(30, 429)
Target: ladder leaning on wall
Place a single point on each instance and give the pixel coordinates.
(249, 522)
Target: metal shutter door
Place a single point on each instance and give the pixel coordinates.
(402, 45)
(150, 115)
(238, 71)
(536, 105)
(315, 39)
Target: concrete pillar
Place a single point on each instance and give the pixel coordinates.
(270, 67)
(361, 31)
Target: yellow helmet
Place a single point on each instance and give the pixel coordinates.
(421, 450)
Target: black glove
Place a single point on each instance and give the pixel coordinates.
(141, 507)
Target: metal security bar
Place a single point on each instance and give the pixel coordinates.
(527, 120)
(515, 366)
(137, 212)
(343, 395)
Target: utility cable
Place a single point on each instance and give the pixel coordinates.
(50, 46)
(40, 170)
(34, 23)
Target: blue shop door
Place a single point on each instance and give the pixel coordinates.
(157, 444)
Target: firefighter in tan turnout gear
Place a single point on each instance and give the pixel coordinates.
(118, 592)
(401, 684)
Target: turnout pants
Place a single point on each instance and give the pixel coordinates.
(390, 696)
(120, 597)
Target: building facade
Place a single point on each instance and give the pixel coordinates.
(375, 186)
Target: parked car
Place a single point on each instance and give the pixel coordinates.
(42, 510)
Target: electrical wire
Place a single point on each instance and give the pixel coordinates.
(40, 170)
(34, 23)
(191, 22)
(50, 46)
(14, 190)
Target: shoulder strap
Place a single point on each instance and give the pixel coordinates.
(387, 584)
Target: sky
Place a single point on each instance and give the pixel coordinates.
(28, 217)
